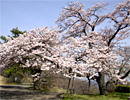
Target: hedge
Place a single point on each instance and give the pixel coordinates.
(122, 88)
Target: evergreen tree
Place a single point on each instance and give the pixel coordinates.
(15, 33)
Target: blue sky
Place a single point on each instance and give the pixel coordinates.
(28, 14)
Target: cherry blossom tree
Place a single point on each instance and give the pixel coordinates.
(92, 51)
(33, 49)
(30, 49)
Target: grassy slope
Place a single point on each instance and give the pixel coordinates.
(112, 96)
(2, 80)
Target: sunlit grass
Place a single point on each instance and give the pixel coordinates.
(112, 96)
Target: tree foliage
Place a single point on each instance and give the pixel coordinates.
(15, 33)
(93, 51)
(3, 38)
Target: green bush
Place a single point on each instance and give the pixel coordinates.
(122, 89)
(15, 68)
(9, 72)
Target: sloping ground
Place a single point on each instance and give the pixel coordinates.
(21, 92)
(2, 80)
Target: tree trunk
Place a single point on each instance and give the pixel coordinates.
(72, 89)
(68, 85)
(71, 85)
(101, 83)
(89, 83)
(100, 89)
(34, 85)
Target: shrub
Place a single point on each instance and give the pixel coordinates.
(9, 72)
(122, 88)
(15, 78)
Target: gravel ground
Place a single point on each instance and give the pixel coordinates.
(21, 92)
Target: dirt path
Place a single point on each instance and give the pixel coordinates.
(22, 92)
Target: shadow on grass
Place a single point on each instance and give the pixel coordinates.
(14, 87)
(21, 93)
(4, 94)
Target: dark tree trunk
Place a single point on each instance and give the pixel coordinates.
(100, 89)
(68, 85)
(89, 83)
(34, 85)
(101, 83)
(72, 88)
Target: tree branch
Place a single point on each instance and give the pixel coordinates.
(122, 65)
(110, 40)
(126, 74)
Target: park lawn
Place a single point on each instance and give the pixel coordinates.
(112, 96)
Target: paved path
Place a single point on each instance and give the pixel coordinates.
(22, 92)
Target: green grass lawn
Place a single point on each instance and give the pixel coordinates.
(112, 96)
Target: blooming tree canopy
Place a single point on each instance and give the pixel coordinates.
(35, 48)
(91, 45)
(90, 61)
